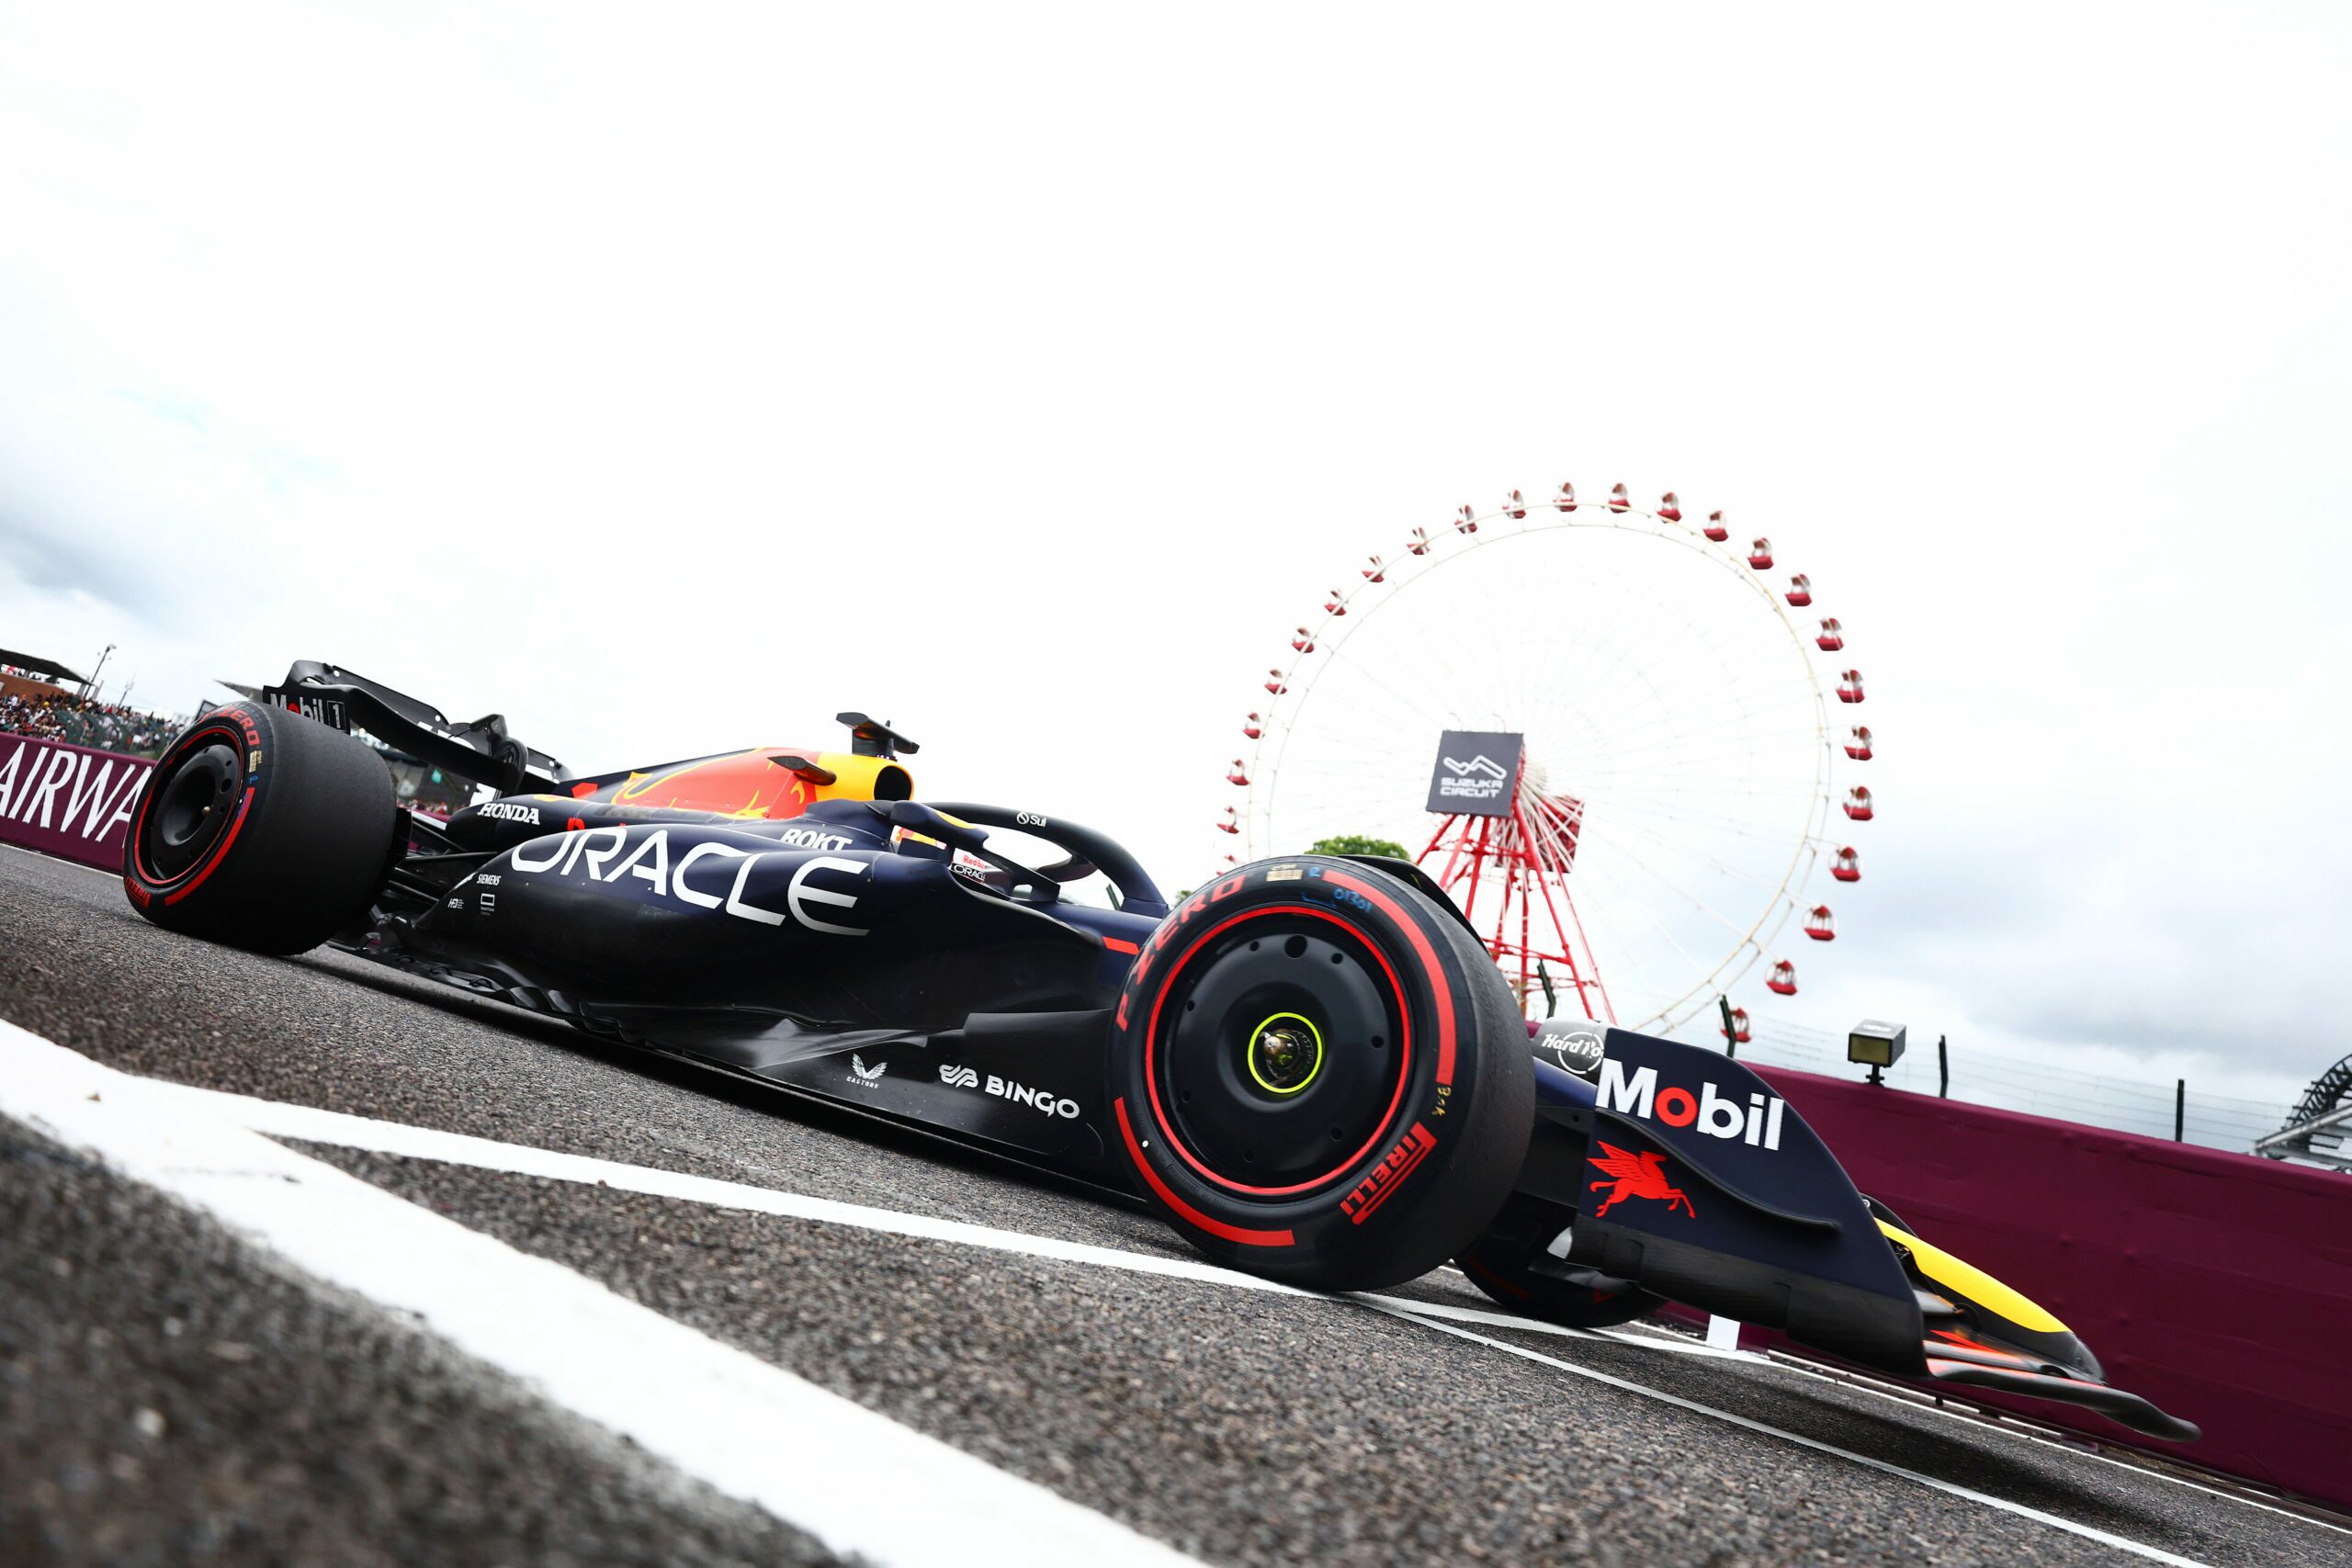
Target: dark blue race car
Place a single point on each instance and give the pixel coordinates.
(1310, 1065)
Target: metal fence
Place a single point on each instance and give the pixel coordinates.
(2013, 1083)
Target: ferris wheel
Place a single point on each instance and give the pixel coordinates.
(1612, 734)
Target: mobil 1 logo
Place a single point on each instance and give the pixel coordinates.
(1640, 1093)
(328, 711)
(1476, 773)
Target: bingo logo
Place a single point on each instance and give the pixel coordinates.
(1639, 1094)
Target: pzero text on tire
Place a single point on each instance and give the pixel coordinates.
(260, 829)
(1321, 1075)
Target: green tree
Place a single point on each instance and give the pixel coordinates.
(1357, 844)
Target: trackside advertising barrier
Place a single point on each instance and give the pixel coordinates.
(2218, 1285)
(68, 800)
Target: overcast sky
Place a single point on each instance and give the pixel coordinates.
(669, 379)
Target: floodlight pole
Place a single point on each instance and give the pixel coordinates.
(91, 685)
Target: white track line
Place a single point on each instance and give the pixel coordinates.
(857, 1480)
(343, 1130)
(279, 1120)
(2121, 1543)
(59, 860)
(2011, 1424)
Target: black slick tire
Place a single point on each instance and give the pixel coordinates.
(1501, 1264)
(1319, 1075)
(261, 829)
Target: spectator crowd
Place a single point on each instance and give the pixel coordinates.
(104, 726)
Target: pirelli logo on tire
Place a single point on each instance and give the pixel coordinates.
(1388, 1174)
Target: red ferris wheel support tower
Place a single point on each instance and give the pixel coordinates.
(1507, 852)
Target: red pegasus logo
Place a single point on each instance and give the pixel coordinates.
(1637, 1176)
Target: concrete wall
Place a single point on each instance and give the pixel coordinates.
(2218, 1285)
(67, 800)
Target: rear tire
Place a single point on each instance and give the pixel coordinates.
(1498, 1263)
(1321, 1075)
(260, 828)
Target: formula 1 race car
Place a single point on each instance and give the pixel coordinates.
(1310, 1065)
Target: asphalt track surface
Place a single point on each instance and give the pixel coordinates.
(170, 1393)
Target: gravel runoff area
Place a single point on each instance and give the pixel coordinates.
(1241, 1427)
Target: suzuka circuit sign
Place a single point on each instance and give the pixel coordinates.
(1476, 773)
(67, 800)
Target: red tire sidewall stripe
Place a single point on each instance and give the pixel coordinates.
(147, 798)
(1426, 953)
(1185, 1211)
(213, 864)
(1388, 1117)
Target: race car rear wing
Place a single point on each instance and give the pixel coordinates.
(483, 751)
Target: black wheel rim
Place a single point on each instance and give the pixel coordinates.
(1282, 1056)
(195, 803)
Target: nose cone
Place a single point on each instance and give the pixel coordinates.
(1990, 1310)
(2056, 1347)
(1982, 1333)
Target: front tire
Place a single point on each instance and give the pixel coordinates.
(260, 829)
(1320, 1075)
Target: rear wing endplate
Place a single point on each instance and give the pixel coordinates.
(483, 751)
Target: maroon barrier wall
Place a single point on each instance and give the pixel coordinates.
(67, 800)
(2218, 1285)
